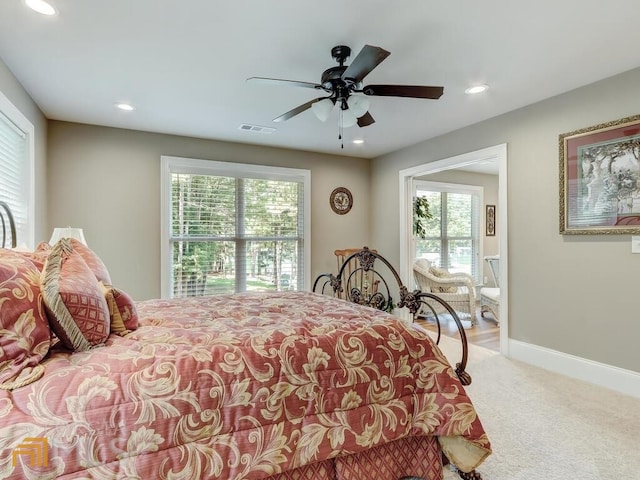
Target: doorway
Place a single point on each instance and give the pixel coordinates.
(496, 154)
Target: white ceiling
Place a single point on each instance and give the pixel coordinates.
(183, 64)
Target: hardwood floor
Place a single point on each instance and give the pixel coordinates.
(486, 334)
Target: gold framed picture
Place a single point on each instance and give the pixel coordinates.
(600, 179)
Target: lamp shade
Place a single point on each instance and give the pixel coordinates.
(358, 105)
(322, 109)
(347, 118)
(67, 232)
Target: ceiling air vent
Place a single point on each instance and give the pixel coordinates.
(256, 128)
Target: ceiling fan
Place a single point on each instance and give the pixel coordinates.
(343, 82)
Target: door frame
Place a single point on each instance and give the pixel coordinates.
(496, 153)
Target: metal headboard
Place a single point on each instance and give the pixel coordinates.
(6, 218)
(376, 292)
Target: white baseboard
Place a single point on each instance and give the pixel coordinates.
(614, 378)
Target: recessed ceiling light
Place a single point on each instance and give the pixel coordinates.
(358, 141)
(124, 106)
(476, 89)
(40, 6)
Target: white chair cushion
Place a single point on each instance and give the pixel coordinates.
(491, 293)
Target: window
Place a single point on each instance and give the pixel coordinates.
(16, 169)
(233, 227)
(453, 234)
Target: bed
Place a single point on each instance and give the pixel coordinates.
(279, 385)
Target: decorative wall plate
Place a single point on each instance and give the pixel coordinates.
(341, 200)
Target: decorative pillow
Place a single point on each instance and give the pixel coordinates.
(94, 262)
(438, 272)
(442, 273)
(25, 336)
(38, 256)
(77, 309)
(124, 316)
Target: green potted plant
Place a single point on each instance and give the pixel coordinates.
(421, 214)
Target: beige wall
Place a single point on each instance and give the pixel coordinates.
(107, 181)
(18, 96)
(573, 294)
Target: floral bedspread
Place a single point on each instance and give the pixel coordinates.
(237, 387)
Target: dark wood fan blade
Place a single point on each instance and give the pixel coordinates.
(299, 109)
(279, 81)
(368, 59)
(365, 120)
(413, 91)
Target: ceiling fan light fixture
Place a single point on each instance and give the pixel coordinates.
(347, 118)
(344, 86)
(358, 105)
(40, 6)
(476, 89)
(322, 109)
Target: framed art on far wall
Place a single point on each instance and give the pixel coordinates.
(600, 179)
(341, 200)
(491, 220)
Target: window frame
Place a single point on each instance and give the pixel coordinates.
(442, 187)
(25, 234)
(171, 164)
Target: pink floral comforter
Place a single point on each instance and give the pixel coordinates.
(238, 387)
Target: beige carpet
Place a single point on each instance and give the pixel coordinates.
(544, 426)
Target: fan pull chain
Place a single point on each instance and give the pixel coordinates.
(340, 130)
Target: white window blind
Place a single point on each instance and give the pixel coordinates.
(234, 229)
(453, 238)
(16, 135)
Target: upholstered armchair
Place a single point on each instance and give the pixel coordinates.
(490, 296)
(457, 289)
